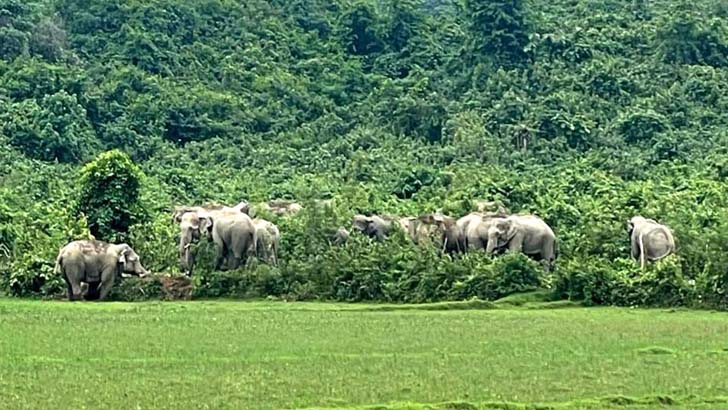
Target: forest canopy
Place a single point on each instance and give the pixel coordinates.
(583, 112)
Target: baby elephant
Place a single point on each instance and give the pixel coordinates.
(96, 263)
(650, 240)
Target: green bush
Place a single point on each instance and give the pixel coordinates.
(109, 199)
(641, 126)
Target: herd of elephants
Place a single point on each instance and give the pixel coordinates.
(237, 234)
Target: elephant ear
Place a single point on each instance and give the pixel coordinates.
(206, 223)
(125, 250)
(243, 206)
(510, 232)
(370, 228)
(179, 212)
(361, 222)
(177, 216)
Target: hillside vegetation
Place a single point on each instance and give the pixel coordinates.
(584, 112)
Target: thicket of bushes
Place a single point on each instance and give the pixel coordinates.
(583, 113)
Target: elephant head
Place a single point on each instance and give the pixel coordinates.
(500, 232)
(128, 260)
(636, 221)
(490, 207)
(242, 206)
(453, 238)
(363, 224)
(372, 226)
(340, 237)
(190, 231)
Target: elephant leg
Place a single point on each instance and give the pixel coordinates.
(190, 263)
(92, 293)
(238, 255)
(274, 254)
(262, 252)
(107, 282)
(74, 289)
(222, 257)
(516, 243)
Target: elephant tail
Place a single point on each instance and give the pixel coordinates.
(254, 244)
(642, 250)
(274, 250)
(58, 269)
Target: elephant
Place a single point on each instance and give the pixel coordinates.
(340, 237)
(233, 233)
(276, 207)
(651, 241)
(522, 233)
(242, 206)
(189, 219)
(282, 207)
(95, 263)
(268, 238)
(494, 207)
(373, 226)
(476, 228)
(448, 229)
(179, 211)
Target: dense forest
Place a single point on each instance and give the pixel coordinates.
(584, 112)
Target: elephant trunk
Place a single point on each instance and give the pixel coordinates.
(185, 254)
(492, 242)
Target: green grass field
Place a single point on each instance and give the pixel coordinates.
(197, 355)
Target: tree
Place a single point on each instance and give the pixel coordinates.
(361, 30)
(14, 29)
(498, 30)
(405, 21)
(54, 129)
(690, 37)
(110, 188)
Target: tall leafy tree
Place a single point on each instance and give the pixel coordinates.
(498, 30)
(110, 191)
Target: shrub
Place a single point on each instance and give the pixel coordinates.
(110, 187)
(640, 126)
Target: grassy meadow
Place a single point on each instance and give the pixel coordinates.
(269, 355)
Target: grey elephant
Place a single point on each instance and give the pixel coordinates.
(234, 235)
(97, 264)
(493, 207)
(282, 207)
(189, 232)
(190, 219)
(421, 230)
(373, 226)
(340, 237)
(268, 238)
(651, 241)
(528, 234)
(450, 233)
(478, 229)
